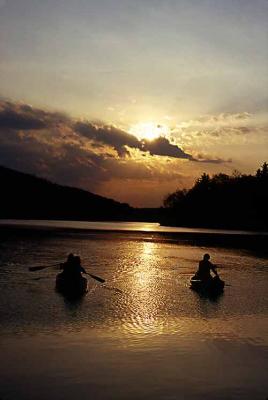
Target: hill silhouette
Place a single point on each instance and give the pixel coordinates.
(29, 197)
(229, 202)
(221, 201)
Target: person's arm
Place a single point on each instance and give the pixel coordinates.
(83, 270)
(213, 268)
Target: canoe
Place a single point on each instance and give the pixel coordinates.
(71, 287)
(212, 287)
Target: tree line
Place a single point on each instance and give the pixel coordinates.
(236, 201)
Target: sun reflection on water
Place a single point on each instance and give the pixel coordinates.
(145, 297)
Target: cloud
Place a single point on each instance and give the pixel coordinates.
(91, 155)
(221, 119)
(220, 124)
(120, 140)
(24, 117)
(72, 152)
(75, 165)
(225, 135)
(12, 120)
(59, 128)
(108, 135)
(203, 158)
(162, 147)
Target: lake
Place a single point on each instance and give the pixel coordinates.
(143, 334)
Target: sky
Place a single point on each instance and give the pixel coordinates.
(133, 99)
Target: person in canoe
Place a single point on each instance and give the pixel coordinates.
(70, 281)
(72, 268)
(203, 282)
(205, 266)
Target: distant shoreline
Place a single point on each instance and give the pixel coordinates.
(251, 241)
(124, 226)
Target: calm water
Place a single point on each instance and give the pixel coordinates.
(142, 335)
(118, 226)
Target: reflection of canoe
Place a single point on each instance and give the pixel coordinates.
(71, 287)
(213, 286)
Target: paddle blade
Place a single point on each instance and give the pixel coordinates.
(37, 268)
(96, 277)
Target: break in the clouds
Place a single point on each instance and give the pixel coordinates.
(120, 141)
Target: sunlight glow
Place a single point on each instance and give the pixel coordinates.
(148, 130)
(145, 298)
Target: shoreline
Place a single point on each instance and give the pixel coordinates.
(251, 241)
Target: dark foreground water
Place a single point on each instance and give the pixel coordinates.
(142, 335)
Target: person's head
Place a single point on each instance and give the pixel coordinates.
(70, 257)
(206, 257)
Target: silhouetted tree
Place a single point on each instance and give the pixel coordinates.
(263, 171)
(237, 201)
(173, 200)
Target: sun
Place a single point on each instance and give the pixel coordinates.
(148, 130)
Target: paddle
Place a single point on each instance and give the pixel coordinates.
(95, 277)
(39, 268)
(43, 267)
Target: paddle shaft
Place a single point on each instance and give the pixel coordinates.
(95, 277)
(39, 268)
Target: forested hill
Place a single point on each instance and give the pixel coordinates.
(29, 197)
(222, 201)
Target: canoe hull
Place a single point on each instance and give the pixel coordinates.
(212, 287)
(71, 287)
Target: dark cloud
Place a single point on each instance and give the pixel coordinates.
(74, 165)
(24, 117)
(162, 147)
(69, 164)
(81, 154)
(120, 141)
(40, 142)
(108, 135)
(10, 119)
